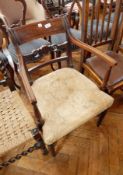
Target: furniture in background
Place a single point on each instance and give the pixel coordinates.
(107, 76)
(24, 14)
(65, 98)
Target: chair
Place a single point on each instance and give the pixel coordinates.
(95, 29)
(17, 126)
(74, 8)
(26, 12)
(65, 98)
(108, 78)
(59, 39)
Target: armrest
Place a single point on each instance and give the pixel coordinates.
(27, 86)
(24, 78)
(89, 48)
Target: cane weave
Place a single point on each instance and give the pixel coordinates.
(15, 121)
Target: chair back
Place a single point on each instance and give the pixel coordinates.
(117, 44)
(14, 11)
(30, 32)
(97, 26)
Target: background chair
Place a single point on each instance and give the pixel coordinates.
(65, 98)
(26, 12)
(109, 78)
(95, 29)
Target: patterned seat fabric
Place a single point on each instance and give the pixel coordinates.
(15, 121)
(27, 49)
(66, 100)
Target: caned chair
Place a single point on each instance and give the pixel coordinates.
(65, 98)
(17, 125)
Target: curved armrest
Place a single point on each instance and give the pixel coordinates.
(89, 48)
(22, 71)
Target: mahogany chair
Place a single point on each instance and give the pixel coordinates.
(65, 98)
(109, 78)
(17, 125)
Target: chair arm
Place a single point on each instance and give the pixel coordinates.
(24, 78)
(27, 86)
(25, 81)
(93, 50)
(87, 47)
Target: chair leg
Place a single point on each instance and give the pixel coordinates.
(101, 118)
(52, 150)
(37, 136)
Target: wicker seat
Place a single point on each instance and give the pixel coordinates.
(15, 121)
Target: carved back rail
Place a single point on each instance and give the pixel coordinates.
(22, 34)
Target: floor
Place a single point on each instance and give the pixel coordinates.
(86, 151)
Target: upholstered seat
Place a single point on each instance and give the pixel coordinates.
(100, 68)
(66, 100)
(28, 48)
(15, 121)
(61, 38)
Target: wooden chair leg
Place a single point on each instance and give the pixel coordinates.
(101, 118)
(37, 136)
(52, 150)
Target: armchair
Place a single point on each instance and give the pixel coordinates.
(108, 77)
(65, 98)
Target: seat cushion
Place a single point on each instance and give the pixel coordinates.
(66, 100)
(61, 38)
(100, 67)
(27, 48)
(15, 121)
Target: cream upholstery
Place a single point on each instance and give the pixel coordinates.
(66, 100)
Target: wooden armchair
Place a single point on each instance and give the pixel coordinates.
(108, 76)
(65, 98)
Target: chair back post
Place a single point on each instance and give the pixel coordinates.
(85, 14)
(24, 11)
(119, 36)
(115, 26)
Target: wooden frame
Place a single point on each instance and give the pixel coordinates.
(34, 31)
